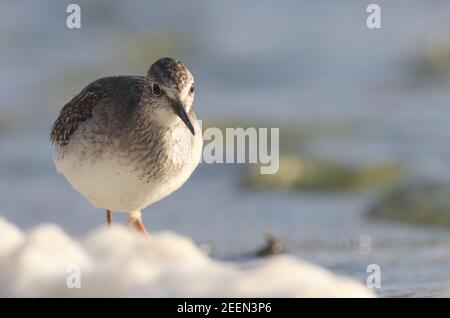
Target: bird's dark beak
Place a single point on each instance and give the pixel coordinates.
(180, 110)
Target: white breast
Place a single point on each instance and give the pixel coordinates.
(108, 183)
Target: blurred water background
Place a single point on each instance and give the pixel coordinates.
(346, 94)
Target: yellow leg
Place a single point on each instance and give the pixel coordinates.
(135, 222)
(109, 217)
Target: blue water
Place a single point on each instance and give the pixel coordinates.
(291, 63)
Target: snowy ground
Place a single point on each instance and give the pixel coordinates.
(115, 262)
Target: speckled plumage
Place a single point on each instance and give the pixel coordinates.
(123, 91)
(122, 146)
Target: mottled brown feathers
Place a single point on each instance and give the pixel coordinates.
(170, 72)
(124, 90)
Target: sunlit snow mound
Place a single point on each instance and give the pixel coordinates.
(114, 262)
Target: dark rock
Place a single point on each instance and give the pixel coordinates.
(273, 246)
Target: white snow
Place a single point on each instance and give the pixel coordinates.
(115, 262)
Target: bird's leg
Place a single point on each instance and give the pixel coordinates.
(135, 222)
(109, 217)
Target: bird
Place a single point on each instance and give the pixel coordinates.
(126, 142)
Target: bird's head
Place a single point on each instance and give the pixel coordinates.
(171, 88)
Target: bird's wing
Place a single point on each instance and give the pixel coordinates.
(80, 108)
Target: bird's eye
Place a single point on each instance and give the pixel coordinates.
(191, 91)
(156, 90)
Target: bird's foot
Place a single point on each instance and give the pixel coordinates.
(135, 222)
(138, 226)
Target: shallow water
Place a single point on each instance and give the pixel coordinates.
(294, 64)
